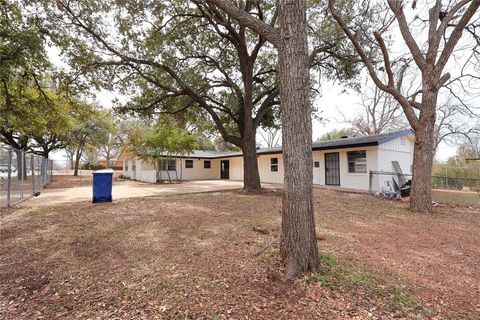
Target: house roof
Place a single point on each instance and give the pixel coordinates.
(364, 141)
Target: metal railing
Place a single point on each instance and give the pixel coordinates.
(381, 182)
(22, 175)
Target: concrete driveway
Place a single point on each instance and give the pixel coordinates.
(131, 189)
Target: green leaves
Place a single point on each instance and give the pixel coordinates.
(162, 141)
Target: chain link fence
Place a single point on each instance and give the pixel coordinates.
(389, 183)
(22, 175)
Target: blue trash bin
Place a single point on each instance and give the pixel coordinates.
(102, 185)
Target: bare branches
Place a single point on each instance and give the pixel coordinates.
(397, 8)
(390, 87)
(456, 33)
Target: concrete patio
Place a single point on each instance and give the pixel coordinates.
(131, 189)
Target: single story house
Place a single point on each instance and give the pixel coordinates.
(343, 162)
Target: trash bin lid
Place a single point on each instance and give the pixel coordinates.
(103, 171)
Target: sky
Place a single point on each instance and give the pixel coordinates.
(333, 100)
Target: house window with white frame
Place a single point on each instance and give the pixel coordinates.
(189, 164)
(357, 161)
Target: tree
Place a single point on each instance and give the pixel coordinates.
(445, 26)
(381, 113)
(298, 246)
(190, 55)
(91, 127)
(337, 134)
(113, 145)
(159, 144)
(454, 123)
(271, 136)
(22, 55)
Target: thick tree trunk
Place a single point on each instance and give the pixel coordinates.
(251, 177)
(421, 195)
(298, 246)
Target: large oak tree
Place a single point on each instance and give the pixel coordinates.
(178, 55)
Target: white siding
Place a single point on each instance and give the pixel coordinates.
(146, 171)
(347, 180)
(395, 150)
(265, 170)
(379, 158)
(236, 168)
(198, 172)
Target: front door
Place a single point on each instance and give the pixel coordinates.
(332, 169)
(224, 169)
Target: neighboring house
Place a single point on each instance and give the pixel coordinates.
(344, 162)
(114, 163)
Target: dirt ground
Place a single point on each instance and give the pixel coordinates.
(199, 257)
(457, 197)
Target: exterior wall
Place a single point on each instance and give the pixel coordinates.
(347, 180)
(198, 172)
(236, 168)
(264, 168)
(400, 150)
(146, 171)
(379, 158)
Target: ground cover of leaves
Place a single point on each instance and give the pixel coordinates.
(195, 257)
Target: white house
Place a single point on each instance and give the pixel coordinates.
(343, 162)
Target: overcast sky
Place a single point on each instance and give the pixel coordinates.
(332, 100)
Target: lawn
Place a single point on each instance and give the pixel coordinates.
(197, 257)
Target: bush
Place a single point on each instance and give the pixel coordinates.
(92, 166)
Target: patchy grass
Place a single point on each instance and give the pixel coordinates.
(454, 197)
(337, 274)
(194, 256)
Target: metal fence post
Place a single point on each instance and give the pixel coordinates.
(42, 168)
(370, 182)
(33, 173)
(22, 173)
(9, 176)
(446, 178)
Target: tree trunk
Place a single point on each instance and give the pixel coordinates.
(21, 170)
(181, 170)
(298, 245)
(251, 177)
(158, 166)
(421, 196)
(77, 162)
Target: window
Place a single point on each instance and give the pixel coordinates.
(207, 164)
(316, 164)
(134, 166)
(189, 164)
(403, 140)
(126, 165)
(169, 165)
(274, 164)
(357, 161)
